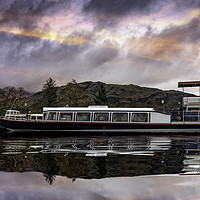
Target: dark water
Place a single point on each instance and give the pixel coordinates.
(100, 167)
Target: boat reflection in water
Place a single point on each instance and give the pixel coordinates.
(118, 167)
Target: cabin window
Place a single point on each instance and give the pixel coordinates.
(39, 118)
(139, 117)
(18, 117)
(12, 117)
(83, 117)
(52, 116)
(120, 117)
(45, 115)
(66, 117)
(101, 116)
(33, 117)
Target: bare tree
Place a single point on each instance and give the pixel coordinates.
(9, 96)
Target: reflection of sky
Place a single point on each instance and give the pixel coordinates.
(33, 186)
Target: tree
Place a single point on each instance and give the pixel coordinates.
(74, 95)
(49, 92)
(9, 97)
(101, 97)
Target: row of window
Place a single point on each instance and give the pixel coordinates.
(16, 117)
(116, 117)
(24, 117)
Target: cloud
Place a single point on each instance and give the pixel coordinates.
(38, 59)
(25, 14)
(174, 44)
(110, 13)
(29, 61)
(100, 56)
(22, 50)
(120, 41)
(119, 7)
(184, 4)
(188, 32)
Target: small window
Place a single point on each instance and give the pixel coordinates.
(66, 116)
(45, 115)
(52, 116)
(139, 117)
(101, 116)
(18, 117)
(83, 117)
(33, 117)
(120, 117)
(39, 118)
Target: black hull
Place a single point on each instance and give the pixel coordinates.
(100, 127)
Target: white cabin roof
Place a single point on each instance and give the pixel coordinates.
(36, 114)
(12, 110)
(97, 108)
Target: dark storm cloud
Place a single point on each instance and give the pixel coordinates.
(34, 52)
(109, 13)
(25, 13)
(28, 61)
(187, 4)
(123, 7)
(119, 7)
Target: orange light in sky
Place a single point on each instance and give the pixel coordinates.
(46, 35)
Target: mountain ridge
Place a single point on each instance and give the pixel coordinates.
(128, 95)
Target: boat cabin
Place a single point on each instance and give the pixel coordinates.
(16, 115)
(190, 111)
(104, 114)
(36, 117)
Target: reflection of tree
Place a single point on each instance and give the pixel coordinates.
(49, 178)
(78, 165)
(73, 179)
(51, 168)
(100, 163)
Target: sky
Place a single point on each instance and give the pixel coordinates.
(33, 186)
(152, 43)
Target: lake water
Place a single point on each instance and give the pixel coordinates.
(100, 168)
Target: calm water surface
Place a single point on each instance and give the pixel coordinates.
(100, 167)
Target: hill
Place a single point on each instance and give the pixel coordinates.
(119, 96)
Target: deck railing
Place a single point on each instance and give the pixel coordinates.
(185, 116)
(191, 102)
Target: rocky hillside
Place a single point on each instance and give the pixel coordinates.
(122, 96)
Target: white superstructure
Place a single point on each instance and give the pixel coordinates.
(106, 114)
(16, 115)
